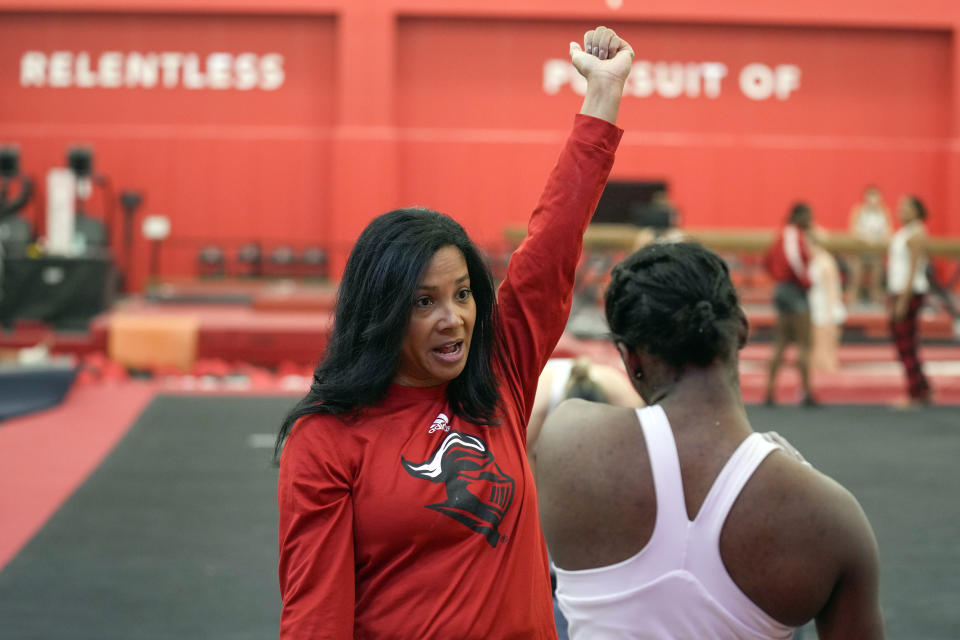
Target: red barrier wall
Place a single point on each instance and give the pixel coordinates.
(299, 122)
(227, 164)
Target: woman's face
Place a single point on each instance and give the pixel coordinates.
(906, 210)
(437, 342)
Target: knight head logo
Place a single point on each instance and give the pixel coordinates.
(479, 494)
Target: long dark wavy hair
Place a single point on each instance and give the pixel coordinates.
(372, 314)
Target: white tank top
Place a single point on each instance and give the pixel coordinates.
(676, 587)
(872, 223)
(898, 263)
(560, 368)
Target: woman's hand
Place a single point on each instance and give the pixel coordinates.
(604, 53)
(605, 61)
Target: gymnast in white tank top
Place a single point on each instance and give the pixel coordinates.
(898, 262)
(636, 598)
(678, 521)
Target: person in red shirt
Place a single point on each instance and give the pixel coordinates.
(788, 261)
(407, 507)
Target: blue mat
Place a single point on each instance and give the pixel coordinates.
(28, 388)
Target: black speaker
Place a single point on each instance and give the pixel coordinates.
(80, 161)
(130, 201)
(9, 162)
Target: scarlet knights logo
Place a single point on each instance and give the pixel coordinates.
(478, 492)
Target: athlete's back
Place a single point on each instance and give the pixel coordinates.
(640, 542)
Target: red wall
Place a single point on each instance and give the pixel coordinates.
(224, 164)
(870, 107)
(395, 102)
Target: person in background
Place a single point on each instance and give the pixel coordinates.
(827, 311)
(565, 378)
(658, 214)
(907, 284)
(871, 223)
(678, 520)
(788, 262)
(406, 502)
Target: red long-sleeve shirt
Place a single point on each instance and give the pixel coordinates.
(414, 523)
(788, 259)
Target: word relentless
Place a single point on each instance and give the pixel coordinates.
(683, 79)
(168, 69)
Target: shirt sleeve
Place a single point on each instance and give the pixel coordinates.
(536, 294)
(797, 253)
(317, 585)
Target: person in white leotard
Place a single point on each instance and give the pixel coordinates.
(678, 521)
(871, 223)
(582, 378)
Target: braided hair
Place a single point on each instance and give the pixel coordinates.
(675, 301)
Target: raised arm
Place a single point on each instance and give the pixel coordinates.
(536, 294)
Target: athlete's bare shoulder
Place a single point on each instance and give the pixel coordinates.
(597, 504)
(800, 546)
(584, 427)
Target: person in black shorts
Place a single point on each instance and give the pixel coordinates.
(788, 261)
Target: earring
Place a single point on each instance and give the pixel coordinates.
(638, 374)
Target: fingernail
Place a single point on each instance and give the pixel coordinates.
(603, 53)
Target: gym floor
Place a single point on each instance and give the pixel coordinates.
(173, 532)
